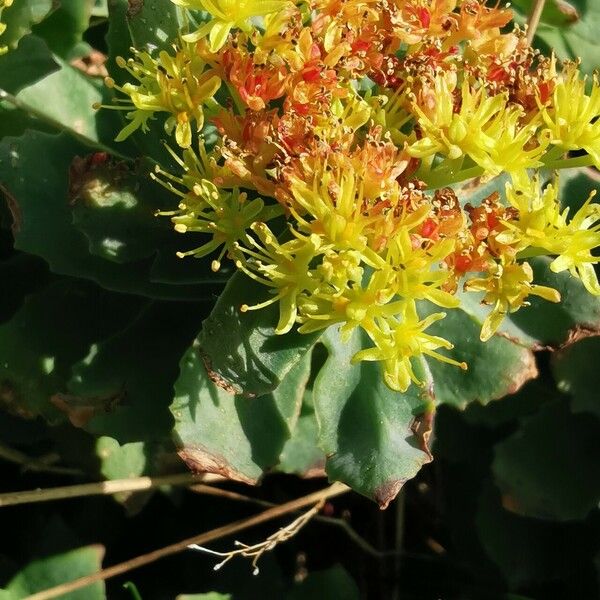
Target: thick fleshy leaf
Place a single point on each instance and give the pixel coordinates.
(496, 368)
(51, 332)
(20, 18)
(133, 373)
(370, 435)
(576, 372)
(527, 550)
(216, 432)
(301, 454)
(23, 67)
(241, 351)
(289, 394)
(44, 217)
(48, 572)
(152, 25)
(64, 28)
(545, 323)
(548, 468)
(64, 100)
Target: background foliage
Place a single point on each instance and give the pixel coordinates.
(101, 375)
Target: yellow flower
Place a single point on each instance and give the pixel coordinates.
(572, 116)
(457, 133)
(507, 288)
(227, 14)
(179, 85)
(417, 273)
(511, 147)
(398, 341)
(574, 243)
(333, 207)
(284, 267)
(542, 224)
(352, 304)
(225, 215)
(3, 4)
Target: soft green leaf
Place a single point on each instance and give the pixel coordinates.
(289, 394)
(120, 461)
(134, 371)
(301, 454)
(495, 368)
(528, 550)
(65, 99)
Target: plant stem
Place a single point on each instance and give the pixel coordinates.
(534, 19)
(568, 163)
(445, 179)
(272, 513)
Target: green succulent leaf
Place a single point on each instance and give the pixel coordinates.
(547, 466)
(496, 368)
(63, 30)
(370, 435)
(527, 550)
(20, 18)
(51, 332)
(241, 350)
(217, 432)
(301, 454)
(92, 223)
(51, 571)
(23, 67)
(132, 373)
(576, 373)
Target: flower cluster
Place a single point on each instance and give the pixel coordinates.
(345, 127)
(3, 4)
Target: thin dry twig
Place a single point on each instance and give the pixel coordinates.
(116, 486)
(38, 465)
(342, 524)
(257, 550)
(333, 490)
(534, 19)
